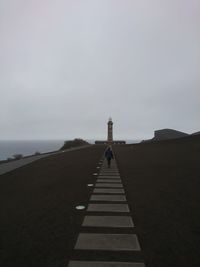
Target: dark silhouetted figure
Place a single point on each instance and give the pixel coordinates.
(109, 155)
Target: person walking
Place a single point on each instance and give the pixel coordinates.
(109, 155)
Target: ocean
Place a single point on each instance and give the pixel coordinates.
(30, 147)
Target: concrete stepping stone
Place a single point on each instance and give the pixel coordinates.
(108, 207)
(109, 242)
(107, 180)
(110, 177)
(109, 173)
(109, 170)
(108, 221)
(114, 171)
(120, 198)
(106, 170)
(109, 191)
(104, 264)
(113, 166)
(108, 185)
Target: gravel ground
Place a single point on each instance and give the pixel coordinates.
(38, 220)
(162, 183)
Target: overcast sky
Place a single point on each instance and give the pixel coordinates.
(67, 66)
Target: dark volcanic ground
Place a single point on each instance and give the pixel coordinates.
(39, 224)
(38, 221)
(162, 182)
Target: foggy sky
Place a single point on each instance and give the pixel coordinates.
(67, 66)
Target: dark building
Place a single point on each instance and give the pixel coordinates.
(165, 134)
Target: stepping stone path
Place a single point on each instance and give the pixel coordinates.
(107, 229)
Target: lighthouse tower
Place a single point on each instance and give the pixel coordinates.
(110, 140)
(110, 131)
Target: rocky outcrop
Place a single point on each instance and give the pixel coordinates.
(74, 143)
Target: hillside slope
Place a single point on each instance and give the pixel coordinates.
(162, 181)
